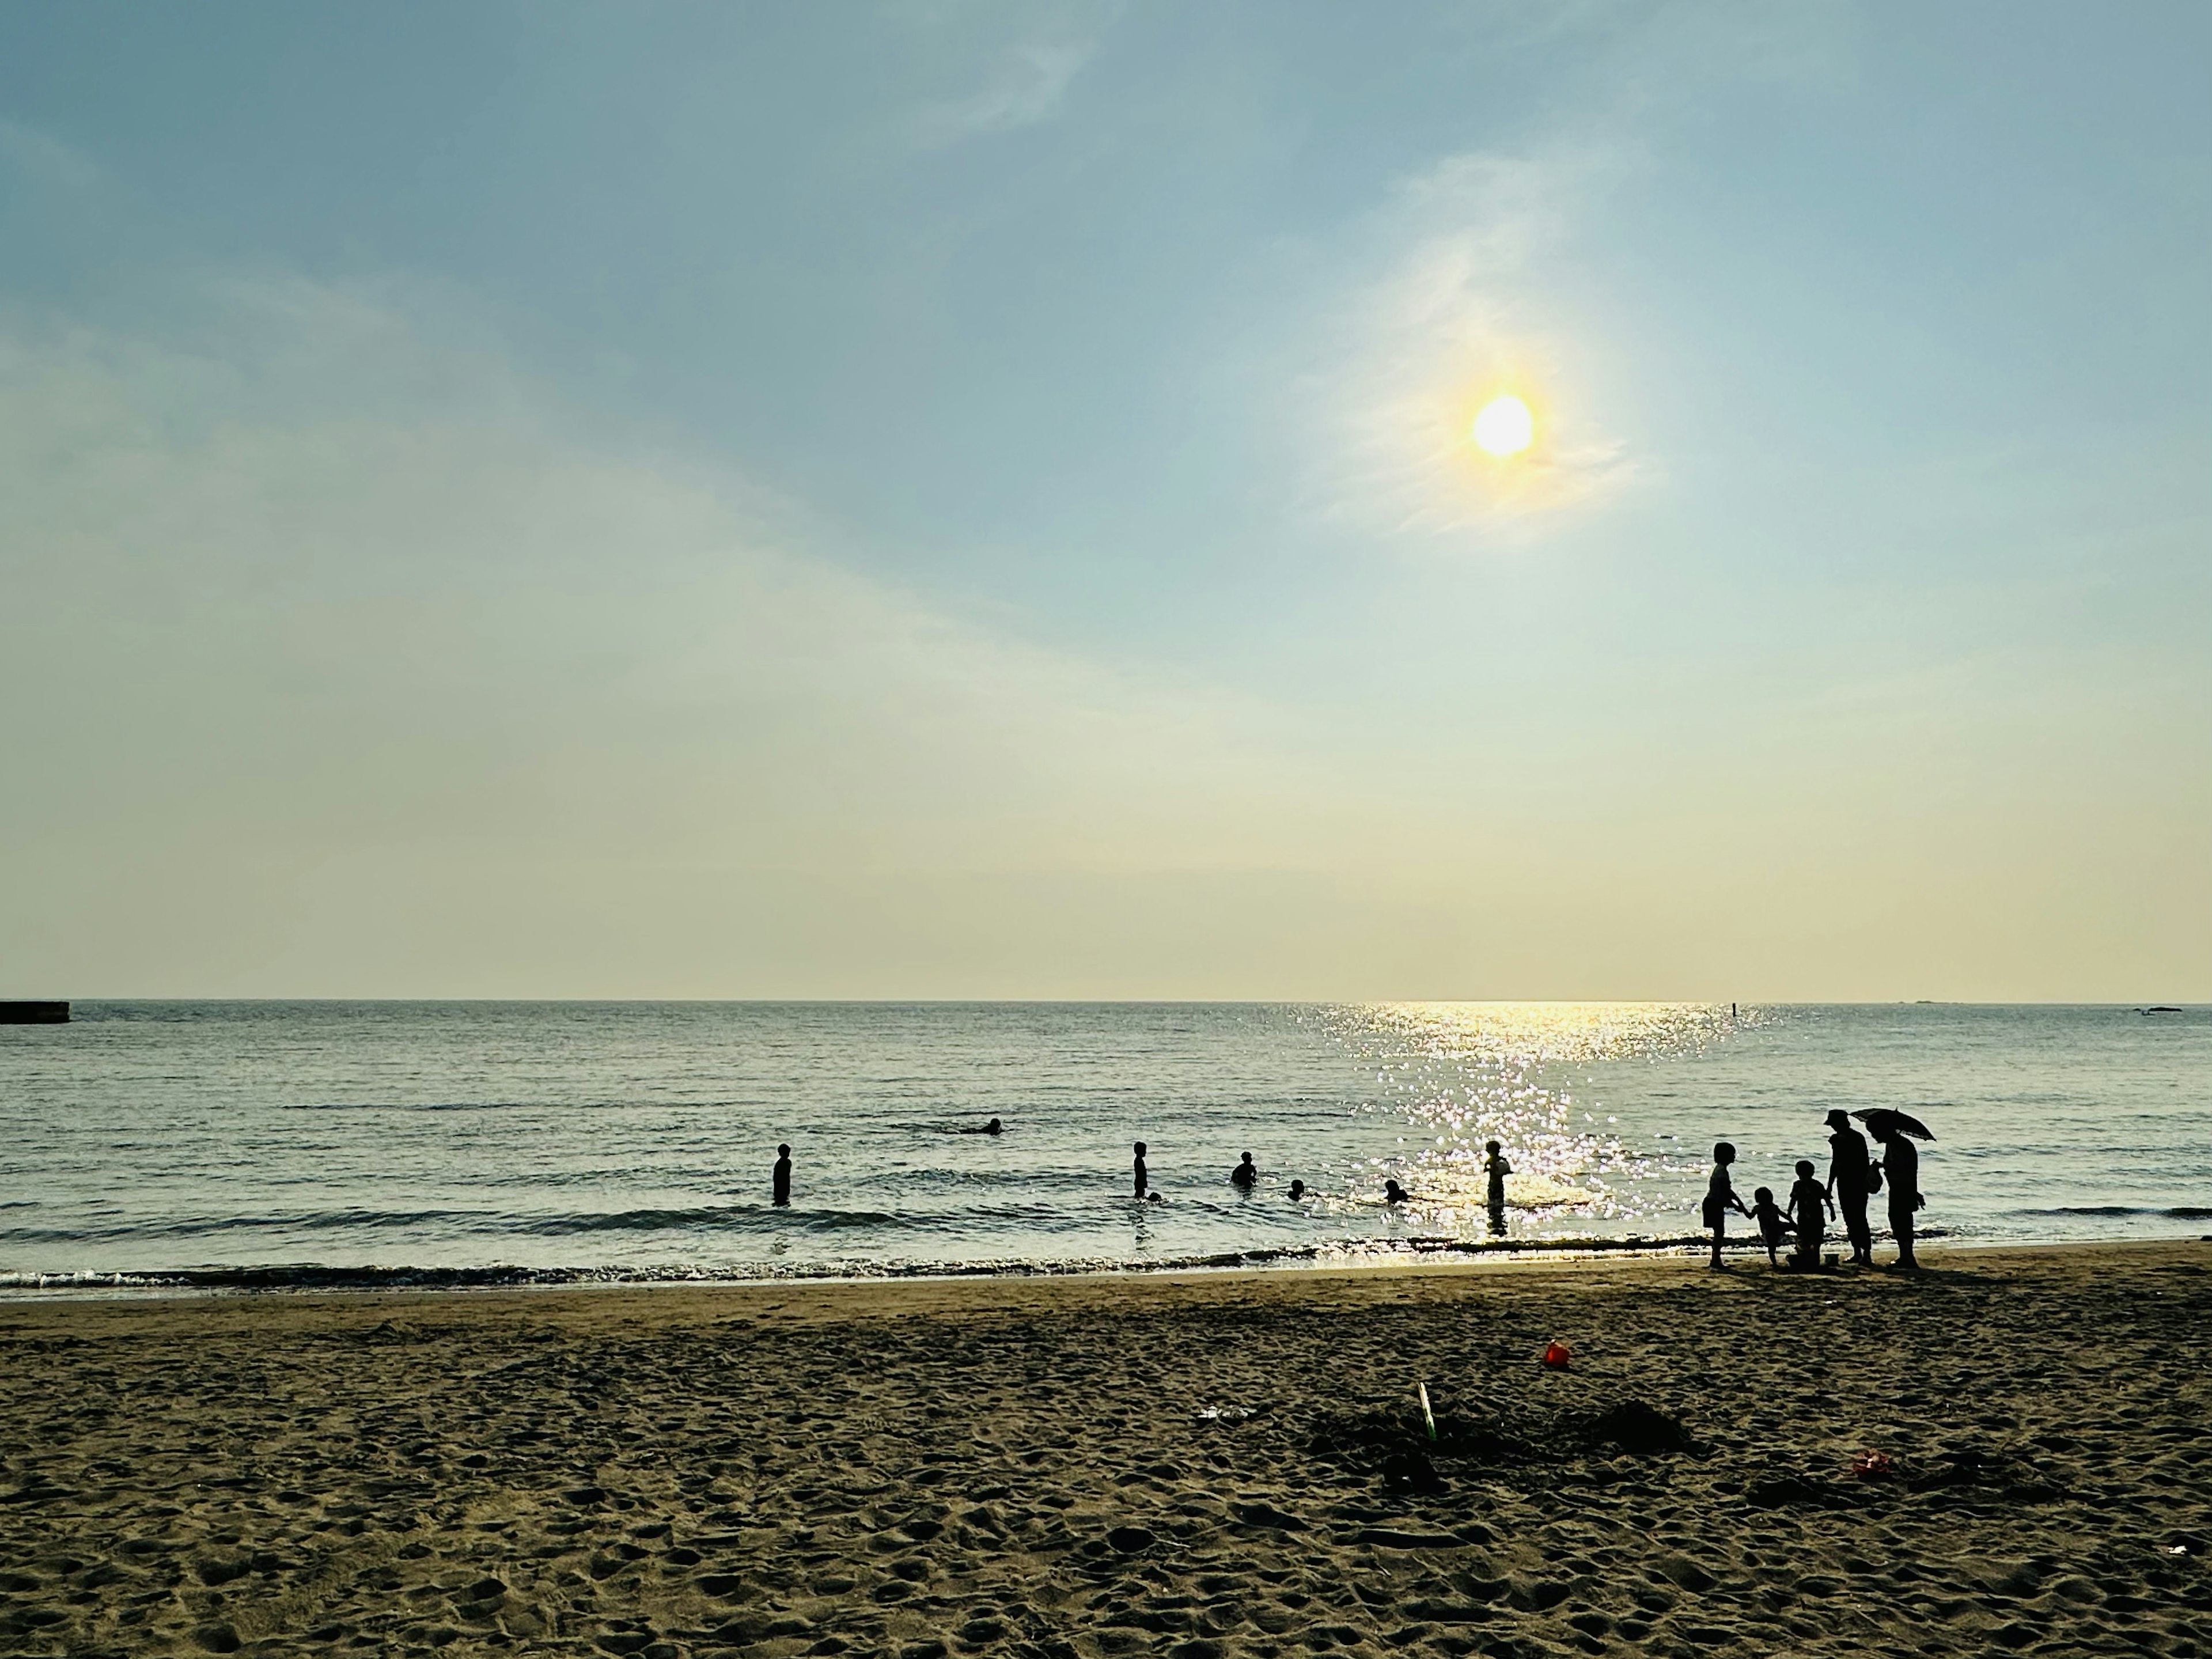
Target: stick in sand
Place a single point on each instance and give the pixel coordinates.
(1428, 1417)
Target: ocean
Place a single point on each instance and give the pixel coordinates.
(270, 1143)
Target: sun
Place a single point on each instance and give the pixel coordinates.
(1505, 427)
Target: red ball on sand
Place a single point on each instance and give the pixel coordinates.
(1556, 1356)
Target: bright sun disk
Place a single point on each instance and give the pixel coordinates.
(1504, 426)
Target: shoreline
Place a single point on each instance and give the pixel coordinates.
(315, 1279)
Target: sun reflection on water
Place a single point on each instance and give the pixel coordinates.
(1462, 1074)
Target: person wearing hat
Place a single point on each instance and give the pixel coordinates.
(1850, 1180)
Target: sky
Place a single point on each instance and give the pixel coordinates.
(947, 500)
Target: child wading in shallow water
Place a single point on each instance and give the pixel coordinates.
(1720, 1198)
(1810, 1205)
(1773, 1223)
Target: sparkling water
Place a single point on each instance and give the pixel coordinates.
(635, 1138)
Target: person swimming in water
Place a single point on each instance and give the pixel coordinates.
(1297, 1191)
(991, 1129)
(1244, 1177)
(1394, 1193)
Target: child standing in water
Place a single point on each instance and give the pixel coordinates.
(1810, 1205)
(1720, 1198)
(1498, 1168)
(1773, 1223)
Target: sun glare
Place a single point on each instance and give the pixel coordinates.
(1505, 427)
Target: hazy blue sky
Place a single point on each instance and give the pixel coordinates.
(971, 500)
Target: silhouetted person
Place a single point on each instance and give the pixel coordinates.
(1141, 1188)
(782, 1178)
(1808, 1215)
(1297, 1191)
(1720, 1198)
(1394, 1193)
(1495, 1166)
(1850, 1179)
(991, 1129)
(1244, 1177)
(1773, 1226)
(1901, 1170)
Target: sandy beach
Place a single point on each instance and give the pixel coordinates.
(1197, 1465)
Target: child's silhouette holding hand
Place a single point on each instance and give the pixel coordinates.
(1773, 1223)
(1809, 1209)
(1720, 1198)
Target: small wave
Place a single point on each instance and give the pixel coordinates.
(203, 1226)
(733, 1217)
(2176, 1212)
(411, 1105)
(315, 1276)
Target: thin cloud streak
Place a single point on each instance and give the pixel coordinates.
(1461, 309)
(1028, 85)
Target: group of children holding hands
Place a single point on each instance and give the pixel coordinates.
(1812, 1205)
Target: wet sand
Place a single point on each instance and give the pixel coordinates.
(1193, 1466)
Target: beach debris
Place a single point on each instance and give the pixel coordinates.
(1224, 1414)
(1428, 1416)
(1557, 1356)
(1871, 1465)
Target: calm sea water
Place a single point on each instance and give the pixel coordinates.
(637, 1137)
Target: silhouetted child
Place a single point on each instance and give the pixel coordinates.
(1394, 1193)
(1297, 1191)
(1720, 1198)
(1244, 1177)
(1810, 1205)
(781, 1179)
(1773, 1223)
(1140, 1170)
(1495, 1166)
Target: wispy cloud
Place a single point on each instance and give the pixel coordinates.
(315, 528)
(1461, 309)
(45, 159)
(1027, 84)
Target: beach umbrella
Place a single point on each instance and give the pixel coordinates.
(1885, 1117)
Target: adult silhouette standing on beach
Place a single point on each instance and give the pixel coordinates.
(1850, 1180)
(781, 1193)
(1140, 1170)
(1901, 1170)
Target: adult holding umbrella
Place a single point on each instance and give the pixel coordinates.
(1900, 1169)
(1851, 1179)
